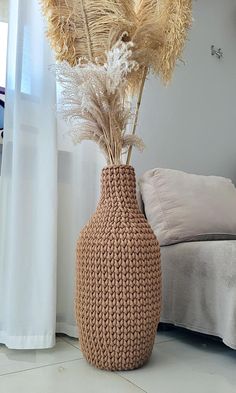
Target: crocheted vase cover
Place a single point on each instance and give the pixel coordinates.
(118, 278)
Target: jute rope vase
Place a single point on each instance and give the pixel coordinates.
(118, 278)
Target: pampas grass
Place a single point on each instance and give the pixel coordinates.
(93, 101)
(81, 28)
(171, 20)
(177, 20)
(87, 28)
(148, 37)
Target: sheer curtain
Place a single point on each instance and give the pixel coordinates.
(46, 196)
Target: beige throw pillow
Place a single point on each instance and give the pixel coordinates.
(184, 207)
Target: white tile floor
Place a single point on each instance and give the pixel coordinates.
(182, 362)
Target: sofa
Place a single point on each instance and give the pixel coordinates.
(200, 294)
(197, 233)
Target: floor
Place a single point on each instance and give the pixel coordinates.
(182, 362)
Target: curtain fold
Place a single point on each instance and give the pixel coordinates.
(48, 191)
(79, 171)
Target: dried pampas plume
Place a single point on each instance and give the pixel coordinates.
(170, 21)
(177, 20)
(87, 28)
(148, 37)
(81, 28)
(93, 101)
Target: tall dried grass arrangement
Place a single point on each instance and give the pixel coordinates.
(83, 30)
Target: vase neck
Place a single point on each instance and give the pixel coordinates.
(118, 184)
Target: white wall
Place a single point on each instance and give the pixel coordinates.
(4, 10)
(191, 125)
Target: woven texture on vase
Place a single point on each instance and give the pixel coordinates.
(118, 278)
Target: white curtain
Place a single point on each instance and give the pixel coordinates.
(46, 196)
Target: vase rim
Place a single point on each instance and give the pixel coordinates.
(118, 166)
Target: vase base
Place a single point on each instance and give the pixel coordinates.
(116, 365)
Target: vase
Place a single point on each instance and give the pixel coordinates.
(118, 278)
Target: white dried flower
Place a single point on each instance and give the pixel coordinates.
(94, 100)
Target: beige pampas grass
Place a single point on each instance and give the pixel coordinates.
(93, 101)
(148, 37)
(147, 33)
(177, 20)
(87, 28)
(171, 20)
(81, 28)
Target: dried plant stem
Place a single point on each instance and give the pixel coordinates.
(89, 44)
(145, 71)
(111, 144)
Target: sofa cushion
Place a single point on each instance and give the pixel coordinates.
(185, 207)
